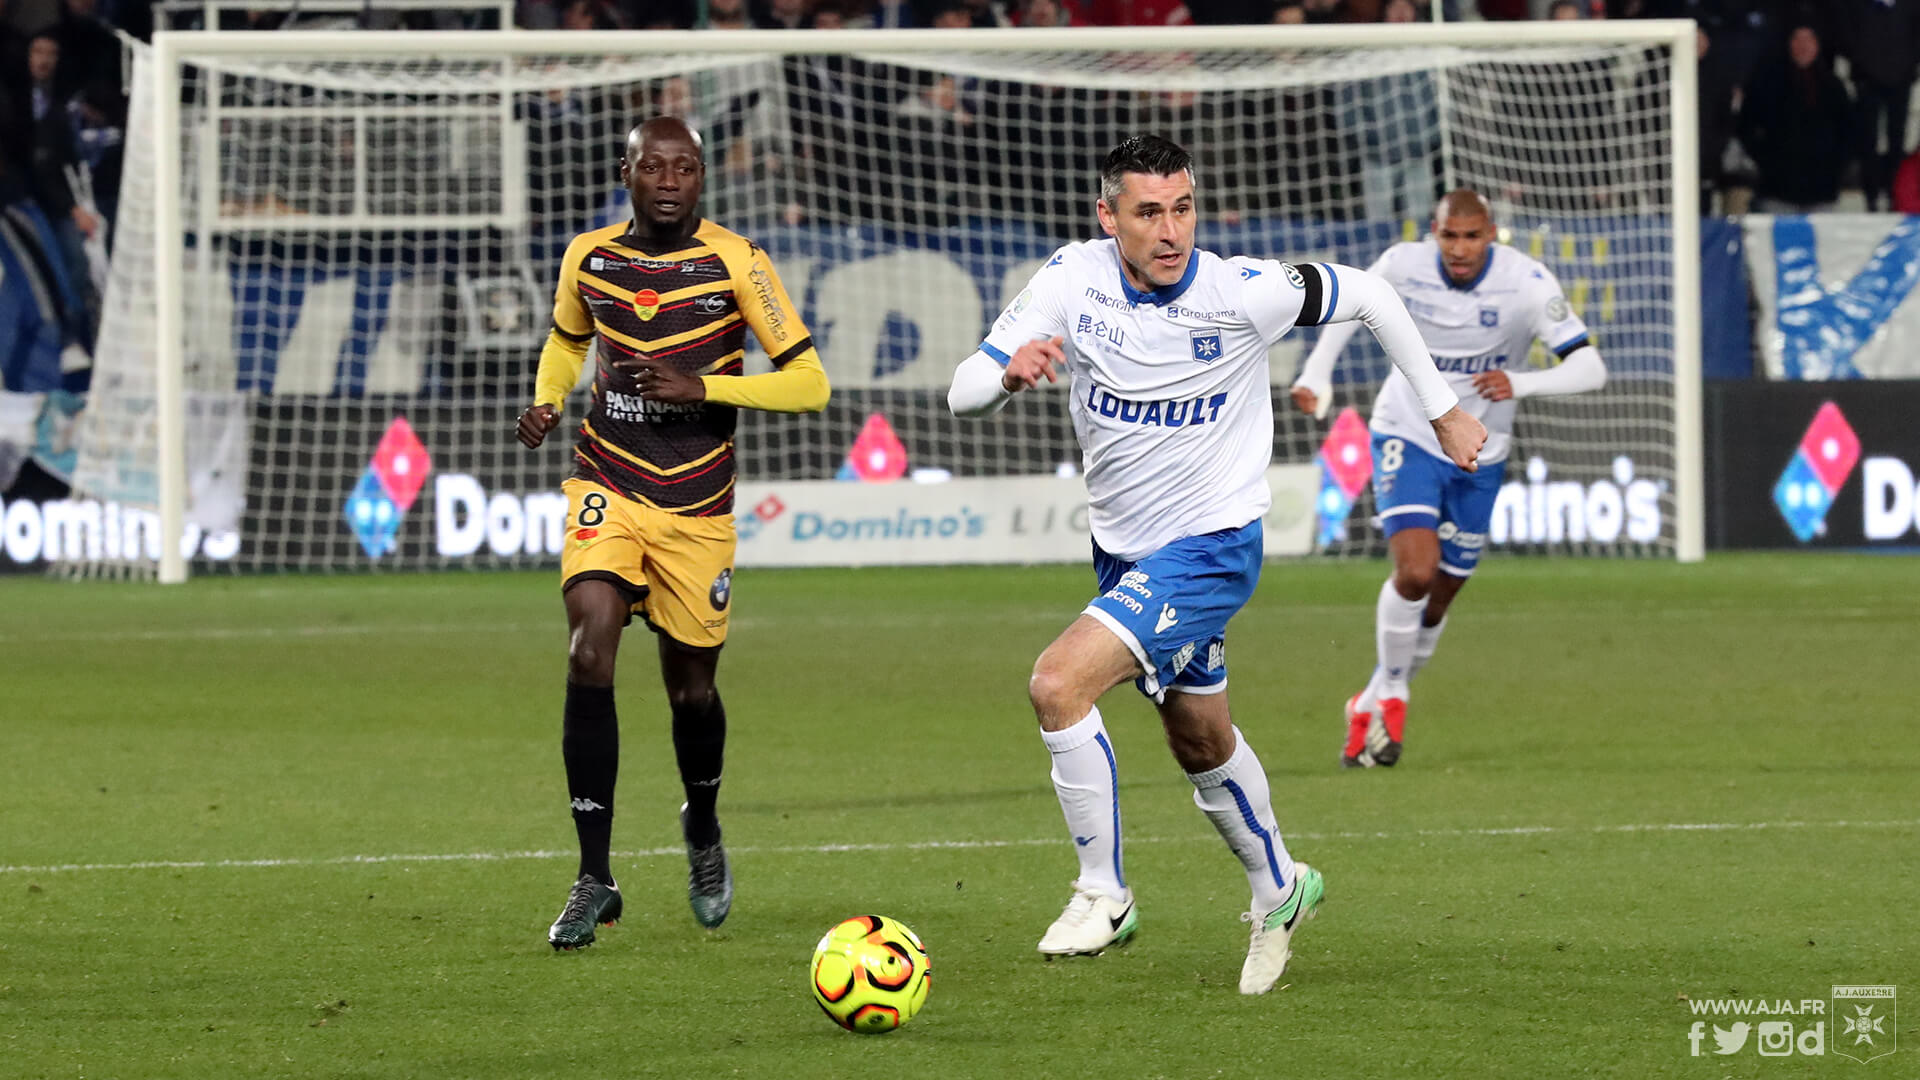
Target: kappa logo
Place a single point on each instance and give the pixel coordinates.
(586, 805)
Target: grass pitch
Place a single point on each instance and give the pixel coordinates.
(317, 827)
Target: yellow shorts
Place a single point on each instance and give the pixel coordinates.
(676, 571)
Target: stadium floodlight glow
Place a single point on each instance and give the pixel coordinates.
(322, 230)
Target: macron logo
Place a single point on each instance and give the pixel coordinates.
(585, 805)
(1168, 616)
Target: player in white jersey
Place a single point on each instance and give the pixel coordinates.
(1480, 306)
(1166, 350)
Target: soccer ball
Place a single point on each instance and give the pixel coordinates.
(870, 974)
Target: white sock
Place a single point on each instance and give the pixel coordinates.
(1085, 778)
(1424, 645)
(1396, 629)
(1235, 797)
(1370, 694)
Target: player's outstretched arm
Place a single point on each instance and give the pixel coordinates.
(1313, 388)
(798, 381)
(1580, 371)
(1367, 297)
(981, 386)
(1559, 327)
(798, 385)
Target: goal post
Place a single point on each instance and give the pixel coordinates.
(905, 181)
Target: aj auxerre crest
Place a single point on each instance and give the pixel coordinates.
(1206, 345)
(1866, 1021)
(646, 304)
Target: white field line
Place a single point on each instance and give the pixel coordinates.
(556, 626)
(957, 845)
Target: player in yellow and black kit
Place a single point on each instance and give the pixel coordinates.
(669, 299)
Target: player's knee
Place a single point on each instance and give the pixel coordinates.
(1056, 701)
(589, 662)
(690, 697)
(1414, 581)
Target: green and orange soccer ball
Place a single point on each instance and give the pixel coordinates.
(870, 974)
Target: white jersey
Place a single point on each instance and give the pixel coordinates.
(1488, 325)
(1171, 396)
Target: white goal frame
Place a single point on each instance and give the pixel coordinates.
(172, 50)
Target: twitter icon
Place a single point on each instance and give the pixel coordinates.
(1730, 1042)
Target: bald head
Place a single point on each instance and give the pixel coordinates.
(664, 169)
(1462, 202)
(662, 128)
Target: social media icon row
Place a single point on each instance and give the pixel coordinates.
(1774, 1038)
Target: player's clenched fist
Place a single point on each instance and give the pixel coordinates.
(535, 423)
(1461, 436)
(1032, 362)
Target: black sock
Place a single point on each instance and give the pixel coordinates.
(699, 742)
(590, 743)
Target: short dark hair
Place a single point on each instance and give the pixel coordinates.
(1149, 154)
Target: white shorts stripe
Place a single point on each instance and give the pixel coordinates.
(1217, 688)
(1410, 508)
(1126, 636)
(1455, 570)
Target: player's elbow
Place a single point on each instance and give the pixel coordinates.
(816, 393)
(960, 404)
(1590, 362)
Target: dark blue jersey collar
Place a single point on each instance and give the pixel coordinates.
(1165, 293)
(1477, 278)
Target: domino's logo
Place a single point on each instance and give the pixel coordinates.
(388, 487)
(1820, 467)
(748, 525)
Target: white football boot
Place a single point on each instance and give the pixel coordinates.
(1091, 922)
(1269, 950)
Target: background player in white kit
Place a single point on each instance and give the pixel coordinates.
(1166, 347)
(1480, 306)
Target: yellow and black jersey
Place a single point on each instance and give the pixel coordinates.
(689, 304)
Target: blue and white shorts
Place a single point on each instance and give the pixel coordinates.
(1171, 608)
(1412, 489)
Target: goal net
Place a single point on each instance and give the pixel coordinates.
(338, 255)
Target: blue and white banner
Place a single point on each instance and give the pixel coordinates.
(1834, 295)
(890, 309)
